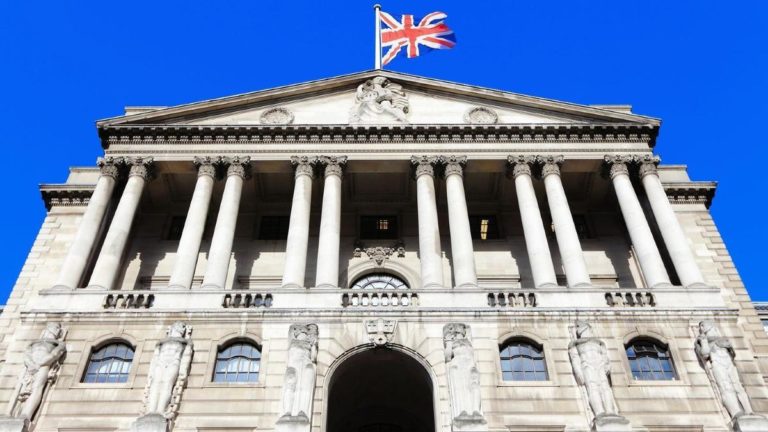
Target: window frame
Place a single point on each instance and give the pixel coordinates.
(659, 343)
(496, 224)
(392, 216)
(225, 341)
(260, 226)
(535, 342)
(86, 362)
(379, 273)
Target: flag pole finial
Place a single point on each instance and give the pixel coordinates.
(377, 63)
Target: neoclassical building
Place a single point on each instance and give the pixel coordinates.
(380, 252)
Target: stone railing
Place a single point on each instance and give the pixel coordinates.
(246, 300)
(379, 299)
(128, 301)
(517, 299)
(630, 299)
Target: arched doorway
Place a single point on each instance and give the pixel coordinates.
(380, 390)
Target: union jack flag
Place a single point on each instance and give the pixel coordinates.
(430, 33)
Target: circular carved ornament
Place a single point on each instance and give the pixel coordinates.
(481, 115)
(275, 116)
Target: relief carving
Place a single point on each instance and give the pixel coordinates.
(463, 378)
(299, 378)
(379, 100)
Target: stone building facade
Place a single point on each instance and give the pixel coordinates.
(379, 252)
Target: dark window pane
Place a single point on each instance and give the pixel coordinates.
(582, 229)
(522, 361)
(483, 227)
(379, 227)
(176, 228)
(650, 361)
(274, 227)
(238, 362)
(379, 281)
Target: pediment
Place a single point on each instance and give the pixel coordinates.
(378, 97)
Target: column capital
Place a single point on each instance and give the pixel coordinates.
(424, 165)
(304, 165)
(238, 165)
(453, 164)
(109, 166)
(520, 164)
(550, 165)
(618, 164)
(206, 166)
(334, 165)
(140, 167)
(648, 165)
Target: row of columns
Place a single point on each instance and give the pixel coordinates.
(238, 169)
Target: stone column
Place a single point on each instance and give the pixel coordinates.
(327, 275)
(110, 257)
(220, 252)
(674, 237)
(640, 233)
(194, 225)
(298, 228)
(77, 259)
(565, 230)
(430, 251)
(533, 227)
(463, 254)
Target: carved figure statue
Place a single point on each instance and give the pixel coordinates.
(170, 364)
(592, 368)
(42, 360)
(299, 379)
(716, 355)
(463, 376)
(379, 100)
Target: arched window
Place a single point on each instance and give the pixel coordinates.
(379, 281)
(650, 360)
(522, 360)
(238, 362)
(109, 364)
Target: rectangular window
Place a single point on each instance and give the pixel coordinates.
(378, 227)
(483, 227)
(274, 227)
(582, 229)
(176, 228)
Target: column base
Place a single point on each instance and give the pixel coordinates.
(210, 287)
(289, 423)
(292, 286)
(327, 286)
(581, 285)
(611, 423)
(12, 424)
(60, 288)
(96, 288)
(177, 287)
(150, 423)
(432, 286)
(750, 423)
(469, 423)
(548, 285)
(662, 285)
(467, 285)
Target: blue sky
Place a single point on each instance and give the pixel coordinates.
(698, 65)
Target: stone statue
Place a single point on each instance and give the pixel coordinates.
(42, 360)
(379, 100)
(716, 355)
(170, 364)
(463, 378)
(299, 378)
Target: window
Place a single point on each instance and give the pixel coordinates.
(522, 361)
(379, 281)
(238, 363)
(109, 364)
(650, 360)
(378, 227)
(176, 228)
(582, 229)
(274, 227)
(483, 227)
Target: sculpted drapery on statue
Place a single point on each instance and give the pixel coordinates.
(379, 100)
(41, 360)
(299, 378)
(463, 378)
(168, 373)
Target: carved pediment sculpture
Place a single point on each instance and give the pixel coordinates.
(379, 100)
(379, 254)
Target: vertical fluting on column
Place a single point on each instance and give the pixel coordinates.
(671, 231)
(648, 254)
(298, 228)
(430, 251)
(565, 230)
(111, 254)
(77, 258)
(462, 251)
(220, 254)
(194, 225)
(533, 227)
(327, 275)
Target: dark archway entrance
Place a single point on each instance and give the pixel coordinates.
(380, 390)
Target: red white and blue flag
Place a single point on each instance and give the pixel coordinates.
(414, 35)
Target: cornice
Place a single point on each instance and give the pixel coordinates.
(555, 133)
(691, 192)
(66, 194)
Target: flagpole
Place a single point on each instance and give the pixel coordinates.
(377, 9)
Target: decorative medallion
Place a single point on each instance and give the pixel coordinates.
(276, 116)
(481, 115)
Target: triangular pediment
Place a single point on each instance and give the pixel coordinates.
(378, 97)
